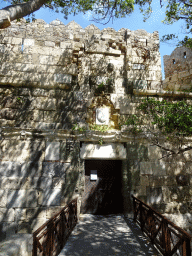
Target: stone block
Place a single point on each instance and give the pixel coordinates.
(44, 59)
(52, 151)
(70, 151)
(37, 115)
(50, 116)
(66, 45)
(50, 197)
(42, 103)
(24, 227)
(144, 180)
(9, 183)
(39, 183)
(49, 43)
(37, 223)
(155, 85)
(152, 168)
(138, 66)
(140, 84)
(36, 213)
(157, 181)
(137, 152)
(72, 177)
(54, 169)
(22, 198)
(29, 42)
(7, 215)
(57, 183)
(128, 108)
(3, 198)
(20, 214)
(23, 150)
(9, 168)
(140, 191)
(154, 152)
(63, 78)
(11, 229)
(32, 168)
(154, 195)
(107, 151)
(68, 197)
(51, 211)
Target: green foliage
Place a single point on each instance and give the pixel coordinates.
(132, 120)
(101, 141)
(101, 88)
(134, 123)
(101, 128)
(104, 87)
(100, 10)
(76, 127)
(187, 42)
(179, 10)
(170, 117)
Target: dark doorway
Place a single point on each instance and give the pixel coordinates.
(103, 193)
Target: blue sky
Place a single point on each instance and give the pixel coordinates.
(132, 22)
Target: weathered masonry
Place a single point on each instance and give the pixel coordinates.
(64, 92)
(178, 70)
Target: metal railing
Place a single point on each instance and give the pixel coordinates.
(168, 238)
(50, 238)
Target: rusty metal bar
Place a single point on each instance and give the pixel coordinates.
(50, 238)
(167, 236)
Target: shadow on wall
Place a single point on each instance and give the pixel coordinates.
(33, 188)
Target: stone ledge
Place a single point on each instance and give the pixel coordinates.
(17, 245)
(161, 93)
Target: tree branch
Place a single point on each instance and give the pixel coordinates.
(17, 11)
(186, 3)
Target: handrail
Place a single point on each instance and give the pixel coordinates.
(50, 238)
(168, 237)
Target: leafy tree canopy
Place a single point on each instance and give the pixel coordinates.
(104, 9)
(170, 117)
(179, 10)
(164, 121)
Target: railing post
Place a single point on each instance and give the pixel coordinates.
(134, 209)
(166, 237)
(34, 245)
(141, 216)
(186, 248)
(54, 232)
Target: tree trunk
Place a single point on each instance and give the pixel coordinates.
(17, 11)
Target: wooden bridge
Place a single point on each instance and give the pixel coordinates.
(121, 233)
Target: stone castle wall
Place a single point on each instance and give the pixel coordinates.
(178, 69)
(51, 78)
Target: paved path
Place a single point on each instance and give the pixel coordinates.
(98, 235)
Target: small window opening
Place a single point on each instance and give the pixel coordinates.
(146, 42)
(184, 55)
(173, 61)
